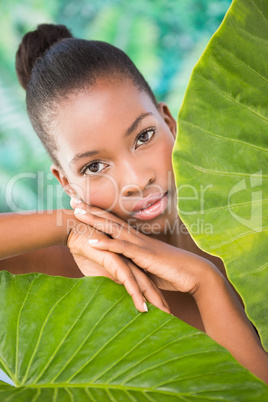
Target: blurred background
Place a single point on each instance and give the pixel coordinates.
(164, 38)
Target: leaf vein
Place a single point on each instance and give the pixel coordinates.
(42, 329)
(67, 333)
(37, 395)
(129, 351)
(151, 354)
(132, 397)
(169, 361)
(179, 378)
(236, 205)
(90, 395)
(224, 138)
(226, 95)
(69, 394)
(206, 170)
(242, 62)
(18, 322)
(104, 346)
(260, 11)
(111, 398)
(93, 328)
(55, 395)
(245, 234)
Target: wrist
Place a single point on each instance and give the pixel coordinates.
(68, 222)
(29, 231)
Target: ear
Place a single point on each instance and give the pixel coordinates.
(58, 173)
(168, 118)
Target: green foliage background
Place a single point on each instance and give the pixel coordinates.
(164, 38)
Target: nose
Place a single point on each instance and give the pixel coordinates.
(136, 177)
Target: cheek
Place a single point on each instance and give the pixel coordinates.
(163, 155)
(163, 161)
(102, 193)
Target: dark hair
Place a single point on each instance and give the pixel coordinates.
(51, 64)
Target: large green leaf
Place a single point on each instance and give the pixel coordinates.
(83, 340)
(221, 158)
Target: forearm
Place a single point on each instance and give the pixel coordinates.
(26, 232)
(226, 322)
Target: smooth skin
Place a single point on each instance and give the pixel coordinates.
(114, 148)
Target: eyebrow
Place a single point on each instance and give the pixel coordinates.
(136, 123)
(128, 132)
(83, 155)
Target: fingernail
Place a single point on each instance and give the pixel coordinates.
(93, 241)
(75, 200)
(80, 211)
(145, 307)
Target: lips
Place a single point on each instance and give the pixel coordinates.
(145, 202)
(151, 206)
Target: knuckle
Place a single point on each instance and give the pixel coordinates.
(92, 209)
(146, 292)
(108, 260)
(129, 278)
(97, 224)
(125, 244)
(114, 265)
(151, 285)
(131, 293)
(116, 273)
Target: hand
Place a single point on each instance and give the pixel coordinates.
(223, 316)
(170, 268)
(120, 269)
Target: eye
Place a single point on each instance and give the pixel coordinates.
(144, 137)
(93, 168)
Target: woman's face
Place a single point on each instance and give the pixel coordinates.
(114, 147)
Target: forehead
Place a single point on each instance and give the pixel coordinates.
(107, 102)
(107, 108)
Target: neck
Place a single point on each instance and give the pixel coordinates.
(171, 234)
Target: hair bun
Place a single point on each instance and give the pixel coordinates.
(33, 45)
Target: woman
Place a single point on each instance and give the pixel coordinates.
(111, 145)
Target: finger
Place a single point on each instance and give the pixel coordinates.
(112, 263)
(82, 209)
(110, 227)
(121, 271)
(86, 231)
(92, 269)
(75, 202)
(138, 254)
(103, 213)
(150, 290)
